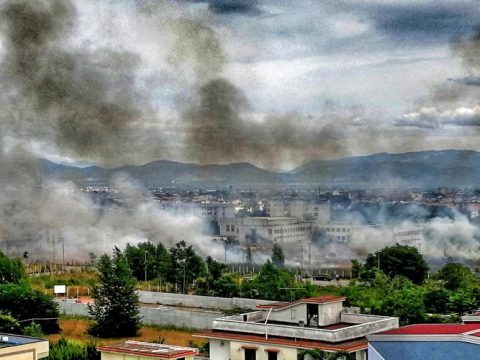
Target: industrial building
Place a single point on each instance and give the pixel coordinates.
(280, 331)
(257, 230)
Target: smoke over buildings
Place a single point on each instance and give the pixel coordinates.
(93, 104)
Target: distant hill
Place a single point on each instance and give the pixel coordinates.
(459, 168)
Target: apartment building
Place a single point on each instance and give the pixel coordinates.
(280, 331)
(257, 230)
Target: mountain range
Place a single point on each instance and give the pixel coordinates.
(459, 168)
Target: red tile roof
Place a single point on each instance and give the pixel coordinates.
(323, 299)
(159, 351)
(433, 329)
(349, 346)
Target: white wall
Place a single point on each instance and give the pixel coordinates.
(291, 314)
(218, 351)
(237, 353)
(329, 313)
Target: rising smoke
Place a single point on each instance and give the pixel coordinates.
(88, 105)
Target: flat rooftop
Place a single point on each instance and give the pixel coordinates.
(433, 329)
(348, 346)
(159, 351)
(8, 340)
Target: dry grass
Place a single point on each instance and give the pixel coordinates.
(77, 329)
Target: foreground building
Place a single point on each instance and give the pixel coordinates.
(15, 347)
(426, 341)
(280, 331)
(139, 350)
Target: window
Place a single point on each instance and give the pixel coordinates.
(272, 355)
(228, 227)
(250, 354)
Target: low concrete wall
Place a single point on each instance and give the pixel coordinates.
(206, 302)
(156, 316)
(379, 323)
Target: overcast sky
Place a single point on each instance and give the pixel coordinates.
(288, 81)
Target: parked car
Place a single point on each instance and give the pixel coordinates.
(323, 277)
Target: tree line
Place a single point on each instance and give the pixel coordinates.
(396, 281)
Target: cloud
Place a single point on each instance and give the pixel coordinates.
(422, 22)
(431, 117)
(231, 7)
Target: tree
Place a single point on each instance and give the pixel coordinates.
(406, 303)
(8, 324)
(462, 302)
(456, 276)
(273, 283)
(25, 303)
(399, 260)
(278, 258)
(157, 264)
(186, 265)
(214, 268)
(11, 270)
(116, 305)
(436, 298)
(73, 350)
(33, 330)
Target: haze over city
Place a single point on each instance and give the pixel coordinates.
(279, 85)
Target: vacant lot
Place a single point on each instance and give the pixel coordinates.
(77, 328)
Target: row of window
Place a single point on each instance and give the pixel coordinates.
(289, 230)
(409, 233)
(231, 228)
(327, 229)
(251, 354)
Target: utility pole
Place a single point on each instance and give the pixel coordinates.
(107, 237)
(63, 254)
(310, 257)
(145, 265)
(301, 269)
(184, 264)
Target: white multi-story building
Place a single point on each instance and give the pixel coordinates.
(411, 235)
(205, 210)
(280, 331)
(266, 229)
(300, 209)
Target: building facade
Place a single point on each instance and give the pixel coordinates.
(300, 209)
(411, 235)
(265, 230)
(205, 210)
